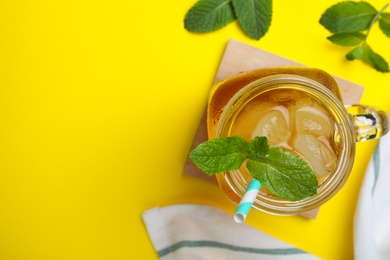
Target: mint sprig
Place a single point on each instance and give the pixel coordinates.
(282, 173)
(351, 23)
(254, 16)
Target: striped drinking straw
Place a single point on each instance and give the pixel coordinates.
(247, 201)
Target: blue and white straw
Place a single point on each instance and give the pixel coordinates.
(247, 201)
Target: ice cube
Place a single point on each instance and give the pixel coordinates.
(317, 152)
(248, 117)
(313, 120)
(274, 124)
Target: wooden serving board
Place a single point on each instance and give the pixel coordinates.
(239, 57)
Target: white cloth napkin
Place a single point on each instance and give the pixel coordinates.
(372, 218)
(191, 231)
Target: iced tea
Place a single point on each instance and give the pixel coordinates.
(293, 120)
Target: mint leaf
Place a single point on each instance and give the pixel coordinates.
(365, 53)
(356, 53)
(220, 154)
(348, 16)
(374, 59)
(384, 23)
(209, 15)
(284, 174)
(254, 16)
(258, 148)
(347, 39)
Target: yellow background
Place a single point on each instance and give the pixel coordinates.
(99, 102)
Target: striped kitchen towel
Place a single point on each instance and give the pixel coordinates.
(192, 231)
(372, 217)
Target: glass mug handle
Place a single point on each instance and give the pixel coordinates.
(369, 123)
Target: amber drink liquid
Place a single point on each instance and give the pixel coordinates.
(295, 121)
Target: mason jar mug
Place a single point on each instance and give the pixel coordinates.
(301, 110)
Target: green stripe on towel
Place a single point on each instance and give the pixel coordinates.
(206, 243)
(376, 166)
